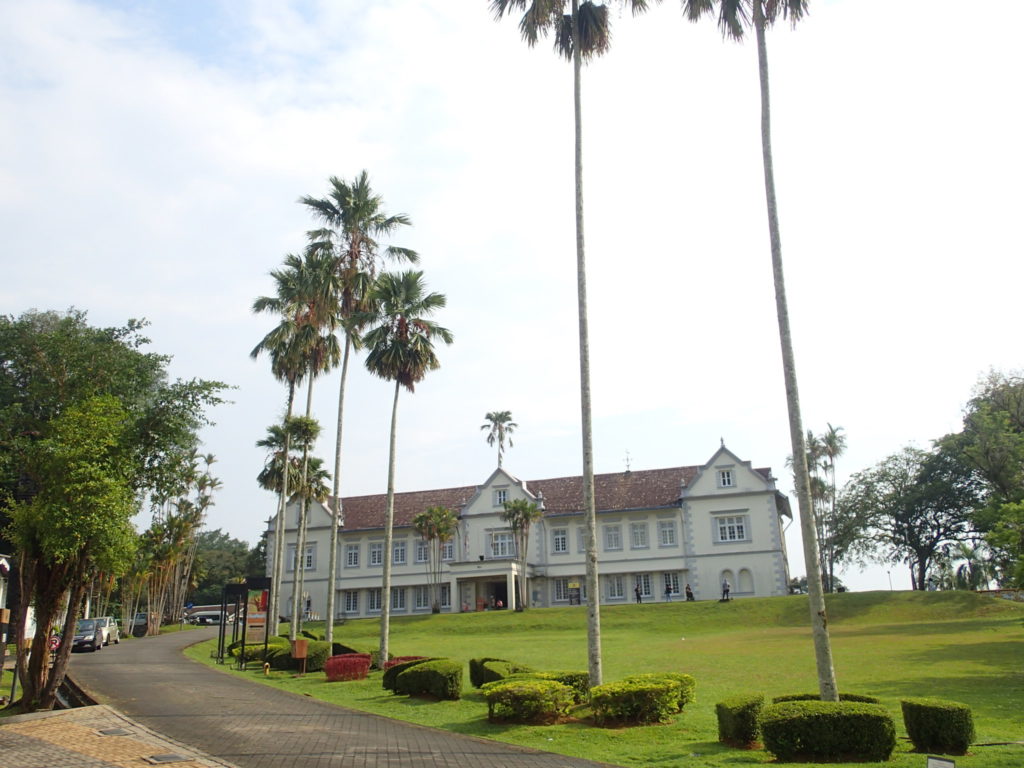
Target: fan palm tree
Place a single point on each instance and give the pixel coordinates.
(353, 219)
(400, 346)
(581, 31)
(436, 526)
(500, 428)
(734, 16)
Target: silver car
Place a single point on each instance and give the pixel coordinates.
(111, 632)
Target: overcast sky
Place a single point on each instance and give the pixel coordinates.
(151, 156)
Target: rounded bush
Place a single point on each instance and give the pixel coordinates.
(401, 660)
(391, 673)
(817, 697)
(686, 684)
(635, 701)
(738, 719)
(828, 731)
(317, 655)
(527, 700)
(348, 666)
(935, 725)
(578, 681)
(438, 677)
(476, 670)
(497, 669)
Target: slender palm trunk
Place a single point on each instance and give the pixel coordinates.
(819, 620)
(337, 513)
(277, 572)
(300, 535)
(389, 520)
(593, 590)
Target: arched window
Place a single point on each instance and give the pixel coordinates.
(746, 582)
(727, 575)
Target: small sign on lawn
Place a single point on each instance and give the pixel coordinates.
(940, 762)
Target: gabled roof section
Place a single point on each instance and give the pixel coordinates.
(724, 454)
(499, 476)
(620, 491)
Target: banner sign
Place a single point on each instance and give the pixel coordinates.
(256, 616)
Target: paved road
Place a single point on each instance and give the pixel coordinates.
(255, 726)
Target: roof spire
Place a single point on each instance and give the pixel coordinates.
(628, 462)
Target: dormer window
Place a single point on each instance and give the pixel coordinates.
(726, 479)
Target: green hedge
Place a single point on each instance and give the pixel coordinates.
(817, 697)
(738, 719)
(687, 685)
(280, 656)
(637, 701)
(340, 649)
(253, 652)
(439, 677)
(579, 682)
(828, 731)
(392, 673)
(317, 653)
(522, 700)
(492, 671)
(935, 725)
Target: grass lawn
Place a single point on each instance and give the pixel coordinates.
(953, 645)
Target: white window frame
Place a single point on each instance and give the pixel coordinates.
(352, 555)
(616, 587)
(613, 538)
(731, 528)
(421, 598)
(373, 600)
(560, 593)
(448, 551)
(446, 595)
(308, 562)
(398, 598)
(726, 478)
(560, 541)
(503, 544)
(351, 601)
(422, 551)
(666, 533)
(638, 536)
(671, 579)
(581, 539)
(376, 553)
(398, 553)
(500, 496)
(644, 580)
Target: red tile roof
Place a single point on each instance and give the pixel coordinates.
(641, 489)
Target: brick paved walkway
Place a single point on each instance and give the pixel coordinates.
(252, 726)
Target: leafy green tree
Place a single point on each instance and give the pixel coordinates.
(581, 31)
(436, 526)
(353, 219)
(78, 522)
(916, 504)
(734, 16)
(54, 365)
(499, 427)
(220, 559)
(400, 341)
(520, 515)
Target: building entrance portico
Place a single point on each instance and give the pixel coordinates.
(485, 585)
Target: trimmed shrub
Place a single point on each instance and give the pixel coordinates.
(340, 649)
(828, 731)
(935, 725)
(317, 655)
(253, 652)
(392, 673)
(635, 701)
(522, 700)
(347, 666)
(686, 683)
(437, 677)
(817, 697)
(476, 670)
(578, 681)
(738, 719)
(493, 671)
(310, 635)
(280, 657)
(401, 660)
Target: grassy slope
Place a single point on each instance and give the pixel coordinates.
(946, 644)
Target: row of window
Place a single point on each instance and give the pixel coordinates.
(421, 598)
(502, 543)
(616, 586)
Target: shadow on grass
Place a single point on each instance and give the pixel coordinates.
(949, 627)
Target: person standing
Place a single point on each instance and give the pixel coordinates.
(639, 595)
(726, 588)
(689, 594)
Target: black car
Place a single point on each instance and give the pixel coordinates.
(89, 635)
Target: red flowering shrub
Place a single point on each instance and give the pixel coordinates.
(347, 666)
(400, 660)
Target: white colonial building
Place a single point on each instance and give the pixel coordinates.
(658, 530)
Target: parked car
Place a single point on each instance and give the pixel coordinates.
(112, 632)
(89, 634)
(209, 617)
(140, 624)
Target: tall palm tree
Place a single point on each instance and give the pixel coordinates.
(579, 35)
(499, 428)
(353, 219)
(401, 349)
(301, 345)
(734, 16)
(436, 526)
(833, 445)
